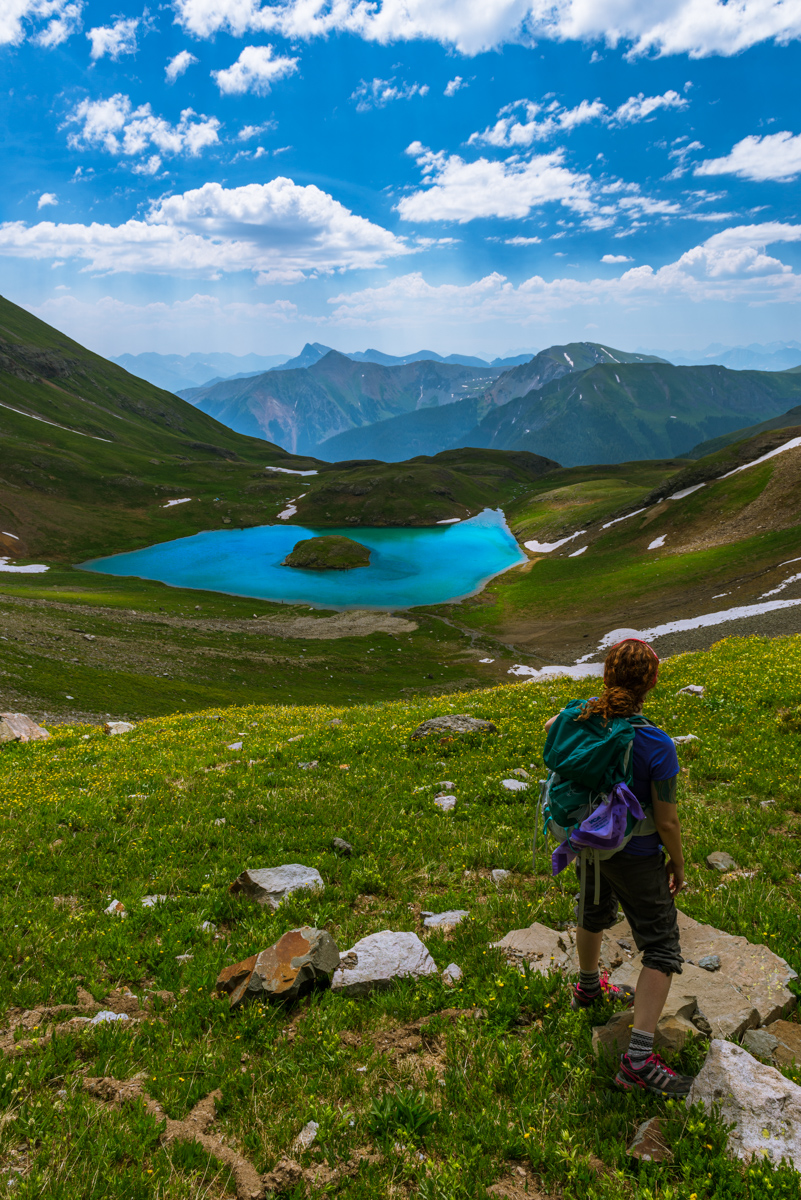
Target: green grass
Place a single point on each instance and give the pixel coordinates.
(91, 817)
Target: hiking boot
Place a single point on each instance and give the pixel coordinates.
(610, 994)
(653, 1075)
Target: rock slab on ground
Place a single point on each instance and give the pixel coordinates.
(445, 803)
(763, 1108)
(648, 1143)
(748, 990)
(779, 1041)
(719, 860)
(342, 847)
(270, 885)
(542, 948)
(17, 727)
(452, 975)
(114, 728)
(375, 961)
(298, 961)
(454, 916)
(453, 723)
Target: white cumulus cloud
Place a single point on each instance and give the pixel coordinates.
(774, 156)
(114, 40)
(454, 85)
(256, 70)
(524, 122)
(280, 230)
(117, 127)
(377, 93)
(176, 66)
(616, 258)
(46, 22)
(47, 198)
(694, 27)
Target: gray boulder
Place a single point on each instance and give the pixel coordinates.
(377, 960)
(270, 885)
(453, 723)
(301, 959)
(761, 1105)
(342, 847)
(452, 975)
(719, 860)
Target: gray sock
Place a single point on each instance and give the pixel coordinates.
(641, 1046)
(590, 982)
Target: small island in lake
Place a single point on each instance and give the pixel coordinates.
(328, 553)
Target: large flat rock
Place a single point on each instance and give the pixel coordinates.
(377, 960)
(269, 885)
(542, 948)
(763, 1108)
(748, 990)
(18, 727)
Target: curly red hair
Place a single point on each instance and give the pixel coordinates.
(630, 670)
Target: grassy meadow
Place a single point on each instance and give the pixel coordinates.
(412, 1098)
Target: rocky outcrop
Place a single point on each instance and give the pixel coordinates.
(458, 723)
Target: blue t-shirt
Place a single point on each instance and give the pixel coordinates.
(655, 760)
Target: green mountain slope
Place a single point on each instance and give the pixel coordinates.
(618, 413)
(556, 362)
(299, 408)
(792, 417)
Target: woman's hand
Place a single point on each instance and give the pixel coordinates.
(675, 874)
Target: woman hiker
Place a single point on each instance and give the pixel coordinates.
(637, 876)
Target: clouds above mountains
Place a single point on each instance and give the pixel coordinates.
(280, 231)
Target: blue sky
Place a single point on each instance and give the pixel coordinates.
(480, 176)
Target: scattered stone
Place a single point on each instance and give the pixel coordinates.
(17, 727)
(453, 723)
(297, 738)
(788, 1035)
(270, 885)
(184, 958)
(114, 728)
(342, 847)
(301, 959)
(207, 927)
(115, 909)
(445, 803)
(760, 1042)
(105, 1015)
(542, 948)
(673, 1030)
(685, 738)
(710, 962)
(719, 860)
(306, 1137)
(766, 803)
(763, 1107)
(498, 875)
(452, 975)
(308, 766)
(234, 746)
(89, 637)
(446, 920)
(514, 785)
(521, 773)
(692, 689)
(375, 961)
(151, 901)
(648, 1143)
(446, 784)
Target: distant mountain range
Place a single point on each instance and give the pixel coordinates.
(775, 356)
(177, 372)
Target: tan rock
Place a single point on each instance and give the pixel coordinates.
(649, 1142)
(17, 727)
(542, 948)
(674, 1029)
(788, 1035)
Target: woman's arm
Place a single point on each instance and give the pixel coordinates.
(666, 817)
(550, 722)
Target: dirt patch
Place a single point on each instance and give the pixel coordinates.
(46, 1021)
(359, 623)
(520, 1184)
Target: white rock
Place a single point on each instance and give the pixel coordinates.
(104, 1015)
(115, 909)
(447, 785)
(452, 975)
(542, 948)
(692, 689)
(151, 901)
(763, 1107)
(218, 821)
(514, 785)
(184, 958)
(306, 1136)
(498, 875)
(234, 745)
(445, 803)
(112, 728)
(685, 738)
(270, 885)
(454, 916)
(376, 960)
(208, 927)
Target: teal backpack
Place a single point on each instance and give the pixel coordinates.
(588, 761)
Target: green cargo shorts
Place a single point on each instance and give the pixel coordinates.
(640, 885)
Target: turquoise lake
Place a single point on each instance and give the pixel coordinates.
(407, 566)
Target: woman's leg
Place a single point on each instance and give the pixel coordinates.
(588, 947)
(649, 999)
